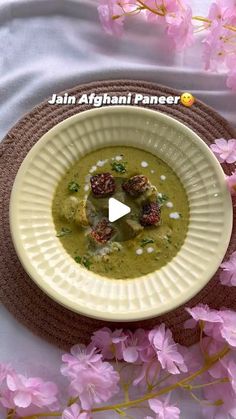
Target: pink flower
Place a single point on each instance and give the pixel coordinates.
(135, 344)
(177, 18)
(80, 359)
(204, 313)
(228, 275)
(216, 46)
(24, 391)
(108, 9)
(217, 49)
(95, 384)
(110, 343)
(167, 350)
(221, 10)
(163, 409)
(74, 412)
(220, 325)
(181, 30)
(90, 378)
(231, 182)
(224, 150)
(214, 50)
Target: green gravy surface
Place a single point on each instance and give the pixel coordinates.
(149, 250)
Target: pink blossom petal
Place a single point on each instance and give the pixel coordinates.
(106, 10)
(228, 275)
(204, 313)
(163, 409)
(109, 343)
(233, 140)
(81, 358)
(167, 350)
(25, 391)
(155, 405)
(221, 143)
(181, 31)
(213, 321)
(130, 354)
(74, 412)
(94, 384)
(22, 399)
(11, 382)
(226, 333)
(227, 329)
(136, 347)
(226, 278)
(225, 151)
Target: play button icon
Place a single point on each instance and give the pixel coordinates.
(117, 210)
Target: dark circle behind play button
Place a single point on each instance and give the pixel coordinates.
(126, 227)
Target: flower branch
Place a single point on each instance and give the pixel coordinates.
(176, 17)
(150, 360)
(148, 396)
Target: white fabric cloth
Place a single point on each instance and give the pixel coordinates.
(50, 45)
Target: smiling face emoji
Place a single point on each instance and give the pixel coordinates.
(187, 99)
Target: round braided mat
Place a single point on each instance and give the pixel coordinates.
(19, 293)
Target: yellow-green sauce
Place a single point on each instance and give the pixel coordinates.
(147, 251)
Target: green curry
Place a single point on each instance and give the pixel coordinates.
(140, 242)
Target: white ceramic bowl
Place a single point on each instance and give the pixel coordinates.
(56, 273)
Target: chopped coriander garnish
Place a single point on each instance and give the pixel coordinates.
(118, 167)
(86, 262)
(73, 186)
(144, 242)
(83, 261)
(64, 232)
(161, 199)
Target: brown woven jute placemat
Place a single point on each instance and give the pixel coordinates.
(19, 293)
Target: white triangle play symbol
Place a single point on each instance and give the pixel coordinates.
(116, 210)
